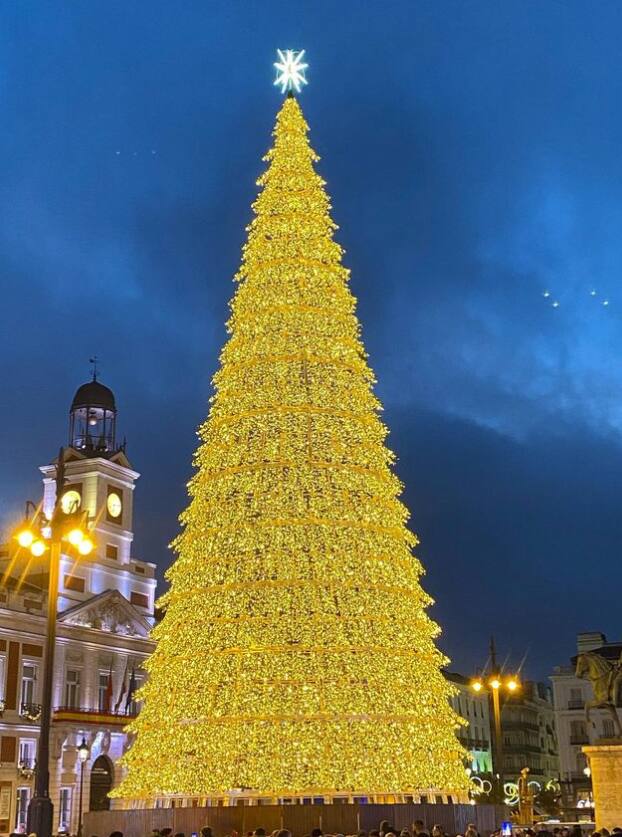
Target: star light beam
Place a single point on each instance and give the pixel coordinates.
(290, 71)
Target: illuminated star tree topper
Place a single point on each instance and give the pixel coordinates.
(290, 71)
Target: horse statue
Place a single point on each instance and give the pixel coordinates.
(606, 678)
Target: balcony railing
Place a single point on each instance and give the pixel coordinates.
(580, 739)
(82, 715)
(30, 711)
(576, 704)
(26, 768)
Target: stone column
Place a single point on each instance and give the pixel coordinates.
(605, 762)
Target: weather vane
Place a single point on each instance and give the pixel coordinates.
(93, 361)
(290, 71)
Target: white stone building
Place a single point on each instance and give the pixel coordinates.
(105, 612)
(474, 708)
(573, 732)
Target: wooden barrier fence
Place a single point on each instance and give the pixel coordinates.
(299, 819)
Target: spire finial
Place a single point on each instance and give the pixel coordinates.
(290, 71)
(93, 361)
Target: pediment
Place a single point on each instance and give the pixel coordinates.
(109, 611)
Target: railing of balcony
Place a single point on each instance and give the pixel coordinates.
(576, 704)
(30, 711)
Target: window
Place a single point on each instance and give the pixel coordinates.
(72, 689)
(27, 752)
(135, 705)
(608, 730)
(21, 810)
(578, 732)
(64, 809)
(112, 551)
(74, 582)
(139, 599)
(29, 683)
(104, 701)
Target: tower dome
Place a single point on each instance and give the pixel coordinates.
(92, 419)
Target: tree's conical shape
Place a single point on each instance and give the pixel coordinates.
(295, 655)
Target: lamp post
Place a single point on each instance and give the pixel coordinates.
(587, 770)
(83, 754)
(495, 682)
(68, 526)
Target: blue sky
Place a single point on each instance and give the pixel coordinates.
(472, 152)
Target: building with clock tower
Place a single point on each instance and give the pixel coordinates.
(105, 613)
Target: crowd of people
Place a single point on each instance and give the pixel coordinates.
(385, 829)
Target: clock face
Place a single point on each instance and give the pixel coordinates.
(114, 504)
(70, 501)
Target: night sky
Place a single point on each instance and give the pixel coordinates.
(473, 154)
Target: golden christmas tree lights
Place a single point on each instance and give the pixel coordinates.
(295, 656)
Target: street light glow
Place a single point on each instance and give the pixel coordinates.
(477, 685)
(495, 683)
(38, 548)
(25, 538)
(85, 547)
(75, 537)
(512, 684)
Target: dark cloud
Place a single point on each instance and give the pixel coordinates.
(472, 154)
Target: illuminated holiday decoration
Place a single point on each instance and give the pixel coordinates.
(290, 71)
(295, 656)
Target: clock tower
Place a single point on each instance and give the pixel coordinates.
(100, 481)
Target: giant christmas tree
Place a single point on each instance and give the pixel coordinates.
(295, 655)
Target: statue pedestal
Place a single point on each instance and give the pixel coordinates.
(605, 760)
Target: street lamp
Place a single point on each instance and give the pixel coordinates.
(64, 525)
(495, 683)
(83, 754)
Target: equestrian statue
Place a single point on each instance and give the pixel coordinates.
(606, 679)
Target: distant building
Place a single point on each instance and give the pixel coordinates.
(527, 729)
(570, 696)
(476, 737)
(529, 736)
(105, 613)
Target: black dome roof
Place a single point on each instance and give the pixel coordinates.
(93, 394)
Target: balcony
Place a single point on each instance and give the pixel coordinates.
(30, 711)
(26, 768)
(97, 717)
(576, 704)
(579, 739)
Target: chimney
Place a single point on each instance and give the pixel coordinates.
(590, 641)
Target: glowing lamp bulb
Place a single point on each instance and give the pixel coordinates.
(85, 547)
(477, 685)
(495, 683)
(512, 685)
(37, 548)
(75, 537)
(25, 538)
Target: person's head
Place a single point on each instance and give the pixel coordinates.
(605, 832)
(283, 832)
(418, 826)
(385, 826)
(317, 832)
(180, 834)
(437, 831)
(116, 834)
(166, 832)
(260, 832)
(404, 833)
(206, 831)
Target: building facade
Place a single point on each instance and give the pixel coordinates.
(529, 733)
(105, 613)
(475, 737)
(570, 696)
